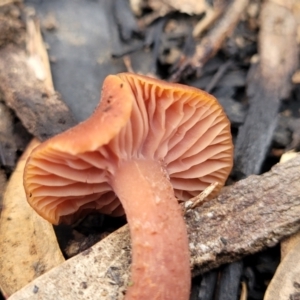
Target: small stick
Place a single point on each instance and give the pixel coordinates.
(218, 75)
(212, 42)
(199, 199)
(127, 63)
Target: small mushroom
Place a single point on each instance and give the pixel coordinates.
(148, 144)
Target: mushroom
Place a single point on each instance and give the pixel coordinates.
(148, 144)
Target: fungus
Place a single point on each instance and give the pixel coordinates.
(148, 144)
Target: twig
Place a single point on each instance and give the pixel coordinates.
(212, 42)
(219, 74)
(211, 14)
(127, 63)
(199, 199)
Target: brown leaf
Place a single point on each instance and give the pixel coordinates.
(282, 285)
(28, 243)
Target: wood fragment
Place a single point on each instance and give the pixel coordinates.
(27, 87)
(42, 113)
(211, 42)
(38, 56)
(269, 82)
(245, 218)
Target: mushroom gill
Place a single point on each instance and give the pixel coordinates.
(182, 127)
(148, 144)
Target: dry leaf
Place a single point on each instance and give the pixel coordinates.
(289, 243)
(286, 281)
(28, 243)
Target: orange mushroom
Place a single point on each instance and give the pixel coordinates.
(148, 144)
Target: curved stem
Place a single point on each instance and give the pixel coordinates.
(160, 255)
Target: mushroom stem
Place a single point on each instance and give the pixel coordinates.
(160, 254)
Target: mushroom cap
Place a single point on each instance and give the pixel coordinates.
(138, 118)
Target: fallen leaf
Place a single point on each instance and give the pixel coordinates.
(28, 243)
(291, 242)
(285, 283)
